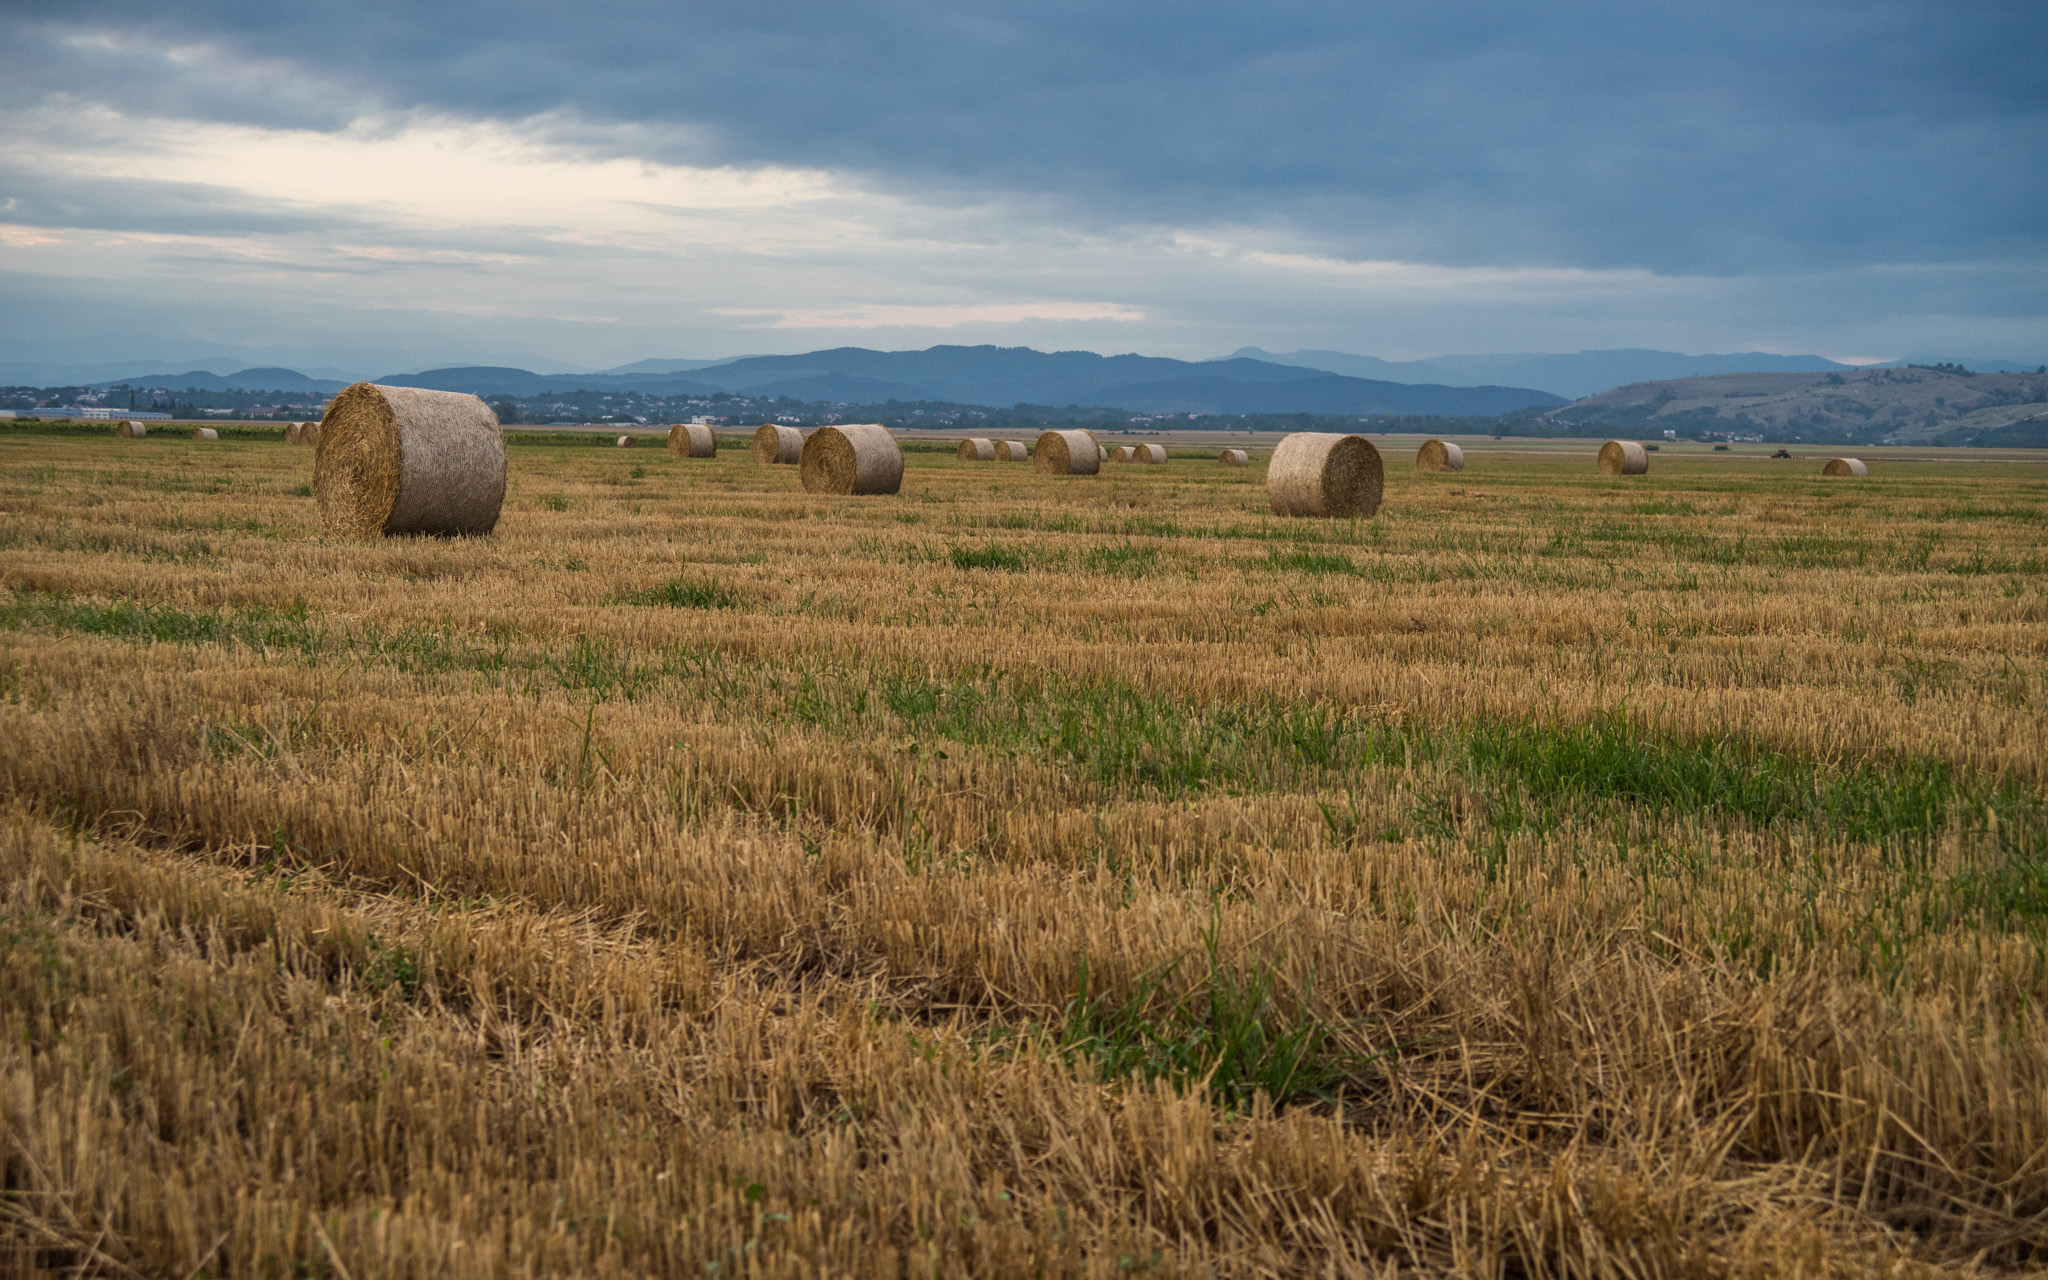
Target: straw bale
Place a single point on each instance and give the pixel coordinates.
(205, 433)
(625, 442)
(1845, 467)
(408, 460)
(1234, 458)
(1317, 473)
(1122, 453)
(1067, 453)
(778, 444)
(291, 433)
(853, 457)
(1439, 455)
(1623, 458)
(132, 430)
(1012, 451)
(1152, 453)
(309, 434)
(692, 440)
(976, 449)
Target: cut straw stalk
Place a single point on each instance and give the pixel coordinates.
(1067, 453)
(692, 440)
(1324, 474)
(1623, 458)
(854, 457)
(773, 444)
(408, 460)
(1439, 455)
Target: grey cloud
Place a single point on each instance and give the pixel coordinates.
(43, 199)
(1726, 138)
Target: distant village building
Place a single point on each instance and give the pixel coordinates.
(96, 412)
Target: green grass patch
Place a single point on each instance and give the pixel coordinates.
(683, 593)
(992, 556)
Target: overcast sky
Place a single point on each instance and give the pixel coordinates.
(381, 187)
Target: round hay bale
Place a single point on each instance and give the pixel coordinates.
(291, 433)
(625, 442)
(132, 430)
(976, 449)
(1122, 453)
(205, 433)
(1012, 451)
(1439, 455)
(1234, 458)
(1845, 467)
(692, 440)
(854, 457)
(1152, 453)
(408, 460)
(1324, 474)
(1623, 458)
(309, 434)
(777, 444)
(1067, 453)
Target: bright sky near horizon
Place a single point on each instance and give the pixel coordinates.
(377, 186)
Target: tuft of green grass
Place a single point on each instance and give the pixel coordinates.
(988, 557)
(684, 593)
(552, 502)
(1124, 559)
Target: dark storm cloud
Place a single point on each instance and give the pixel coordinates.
(1722, 138)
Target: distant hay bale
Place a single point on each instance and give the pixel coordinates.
(1012, 451)
(1152, 453)
(291, 433)
(205, 433)
(1234, 458)
(1845, 467)
(1439, 455)
(1122, 453)
(625, 442)
(1323, 474)
(309, 434)
(853, 457)
(778, 444)
(692, 440)
(1623, 458)
(1067, 453)
(408, 460)
(131, 430)
(976, 449)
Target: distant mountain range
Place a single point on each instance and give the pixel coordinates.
(1005, 376)
(1587, 372)
(246, 380)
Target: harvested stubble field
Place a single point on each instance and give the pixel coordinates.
(1552, 876)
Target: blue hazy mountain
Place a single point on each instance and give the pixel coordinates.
(1572, 376)
(269, 379)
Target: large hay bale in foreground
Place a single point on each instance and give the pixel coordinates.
(692, 440)
(1845, 467)
(1316, 473)
(1623, 458)
(976, 449)
(1067, 453)
(1439, 455)
(408, 460)
(131, 430)
(853, 457)
(205, 433)
(778, 444)
(1152, 453)
(1234, 458)
(625, 442)
(1012, 451)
